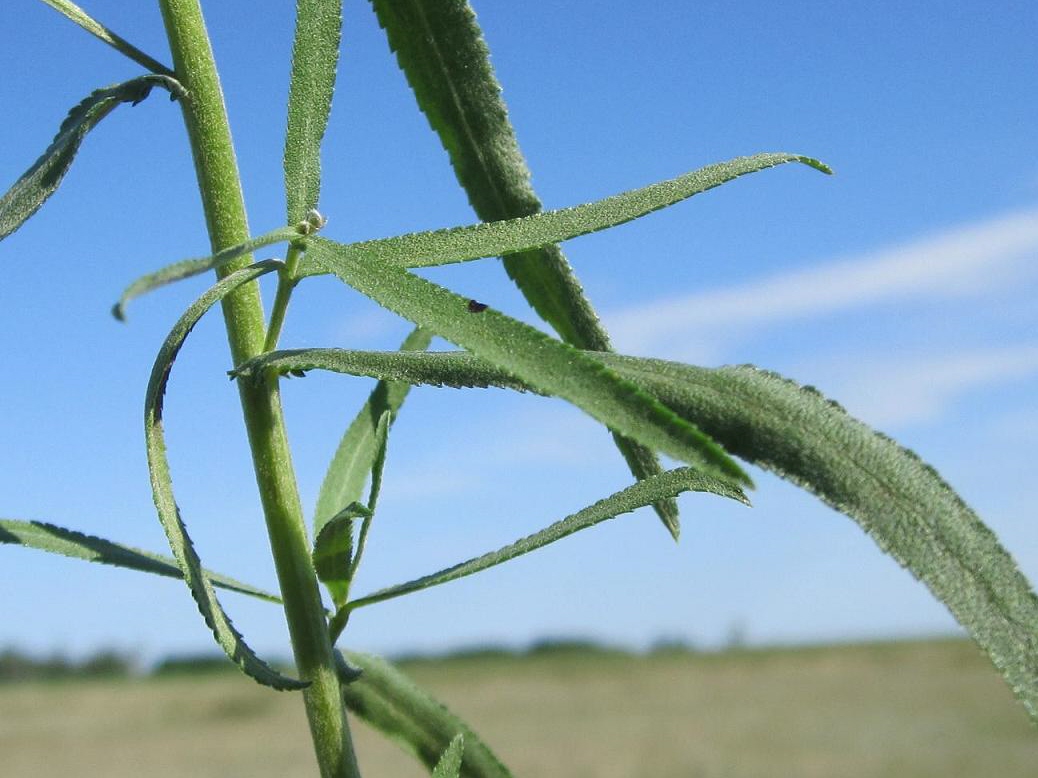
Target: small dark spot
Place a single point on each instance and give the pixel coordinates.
(476, 307)
(296, 373)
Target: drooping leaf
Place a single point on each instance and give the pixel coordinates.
(545, 363)
(900, 501)
(645, 492)
(229, 639)
(460, 244)
(77, 545)
(315, 54)
(333, 551)
(449, 765)
(441, 50)
(186, 268)
(41, 180)
(391, 702)
(76, 14)
(353, 460)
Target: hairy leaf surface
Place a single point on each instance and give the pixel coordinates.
(41, 180)
(77, 545)
(449, 765)
(333, 551)
(315, 54)
(392, 703)
(229, 639)
(187, 268)
(645, 492)
(899, 500)
(449, 70)
(358, 448)
(545, 363)
(460, 244)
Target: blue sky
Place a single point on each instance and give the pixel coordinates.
(904, 287)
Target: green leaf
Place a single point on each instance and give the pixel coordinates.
(391, 702)
(229, 639)
(186, 268)
(449, 765)
(76, 14)
(358, 449)
(900, 501)
(315, 54)
(645, 492)
(545, 363)
(42, 179)
(441, 50)
(333, 551)
(58, 540)
(460, 244)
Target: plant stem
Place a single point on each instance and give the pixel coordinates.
(287, 281)
(219, 184)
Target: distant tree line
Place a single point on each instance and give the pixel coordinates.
(18, 666)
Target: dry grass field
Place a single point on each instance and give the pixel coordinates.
(907, 710)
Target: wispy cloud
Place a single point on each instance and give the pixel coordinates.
(960, 261)
(910, 391)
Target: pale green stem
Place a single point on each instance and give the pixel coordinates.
(287, 280)
(219, 184)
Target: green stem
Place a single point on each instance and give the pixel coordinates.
(287, 280)
(220, 187)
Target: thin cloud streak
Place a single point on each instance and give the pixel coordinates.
(917, 391)
(959, 261)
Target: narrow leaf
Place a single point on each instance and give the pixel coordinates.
(76, 14)
(546, 364)
(42, 179)
(899, 500)
(229, 639)
(391, 702)
(449, 765)
(441, 50)
(460, 244)
(333, 551)
(344, 481)
(58, 540)
(645, 492)
(315, 54)
(186, 268)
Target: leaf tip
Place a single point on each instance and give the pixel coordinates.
(816, 164)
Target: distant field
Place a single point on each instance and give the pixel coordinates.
(906, 710)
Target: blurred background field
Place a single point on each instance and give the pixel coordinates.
(933, 708)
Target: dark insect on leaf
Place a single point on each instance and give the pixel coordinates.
(296, 373)
(476, 307)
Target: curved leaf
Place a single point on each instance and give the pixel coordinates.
(358, 449)
(186, 268)
(545, 363)
(333, 551)
(41, 180)
(391, 702)
(77, 15)
(67, 542)
(441, 50)
(645, 492)
(900, 501)
(315, 54)
(490, 239)
(449, 765)
(229, 639)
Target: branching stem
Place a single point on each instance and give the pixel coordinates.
(220, 188)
